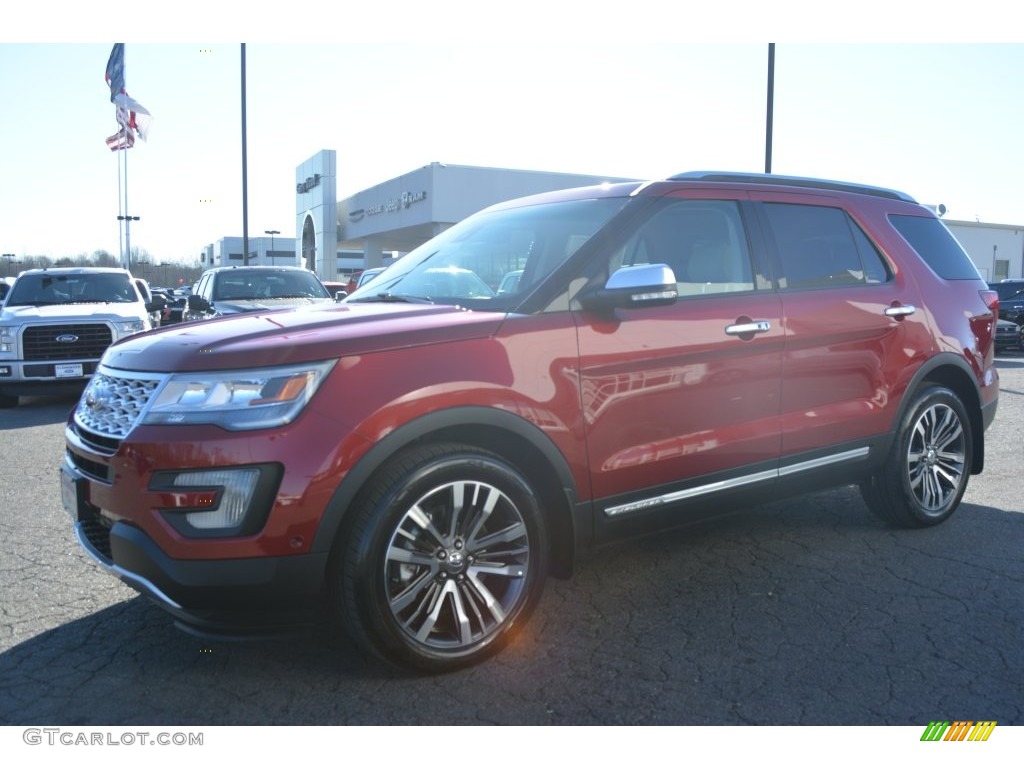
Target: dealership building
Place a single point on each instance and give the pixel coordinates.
(335, 237)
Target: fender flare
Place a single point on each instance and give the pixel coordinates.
(448, 419)
(972, 404)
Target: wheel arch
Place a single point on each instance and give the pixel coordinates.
(518, 441)
(953, 372)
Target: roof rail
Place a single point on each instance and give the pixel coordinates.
(792, 181)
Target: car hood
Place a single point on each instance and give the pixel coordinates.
(321, 332)
(52, 313)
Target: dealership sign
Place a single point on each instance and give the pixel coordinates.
(308, 184)
(391, 205)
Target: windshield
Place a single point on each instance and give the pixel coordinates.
(258, 284)
(493, 259)
(77, 288)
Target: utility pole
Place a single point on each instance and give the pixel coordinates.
(771, 109)
(245, 175)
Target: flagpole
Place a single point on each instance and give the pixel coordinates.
(126, 260)
(120, 213)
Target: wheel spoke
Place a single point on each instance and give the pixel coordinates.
(513, 571)
(420, 518)
(485, 512)
(422, 583)
(512, 533)
(490, 602)
(412, 557)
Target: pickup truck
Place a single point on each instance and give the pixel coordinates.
(55, 325)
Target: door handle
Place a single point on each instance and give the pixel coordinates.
(900, 312)
(755, 326)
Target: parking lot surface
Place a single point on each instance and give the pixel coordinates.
(807, 611)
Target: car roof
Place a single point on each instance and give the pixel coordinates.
(261, 267)
(75, 271)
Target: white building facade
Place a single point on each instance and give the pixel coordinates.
(371, 228)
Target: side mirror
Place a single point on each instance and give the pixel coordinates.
(157, 304)
(642, 285)
(198, 303)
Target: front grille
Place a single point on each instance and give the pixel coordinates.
(90, 468)
(78, 341)
(112, 405)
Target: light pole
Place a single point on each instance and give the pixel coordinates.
(9, 258)
(271, 232)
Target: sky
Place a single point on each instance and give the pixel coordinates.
(930, 105)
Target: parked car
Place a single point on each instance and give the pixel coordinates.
(233, 290)
(334, 288)
(56, 323)
(367, 275)
(1011, 299)
(417, 459)
(1009, 335)
(510, 282)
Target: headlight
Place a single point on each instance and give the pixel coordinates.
(236, 400)
(7, 339)
(128, 327)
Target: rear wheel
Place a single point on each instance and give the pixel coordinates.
(447, 556)
(926, 473)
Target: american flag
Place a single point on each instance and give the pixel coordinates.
(123, 139)
(115, 70)
(133, 118)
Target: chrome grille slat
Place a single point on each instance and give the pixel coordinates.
(113, 403)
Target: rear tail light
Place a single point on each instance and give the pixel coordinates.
(991, 299)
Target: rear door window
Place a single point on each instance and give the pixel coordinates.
(821, 247)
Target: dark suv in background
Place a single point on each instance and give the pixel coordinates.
(1011, 299)
(416, 460)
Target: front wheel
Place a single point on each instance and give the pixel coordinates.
(926, 473)
(446, 557)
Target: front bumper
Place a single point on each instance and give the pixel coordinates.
(230, 597)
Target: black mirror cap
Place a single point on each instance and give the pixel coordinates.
(198, 303)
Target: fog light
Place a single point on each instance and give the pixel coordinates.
(237, 486)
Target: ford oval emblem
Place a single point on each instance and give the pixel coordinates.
(98, 397)
(67, 338)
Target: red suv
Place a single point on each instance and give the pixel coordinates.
(417, 459)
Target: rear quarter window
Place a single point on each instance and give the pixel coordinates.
(936, 246)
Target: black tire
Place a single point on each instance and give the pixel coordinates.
(447, 556)
(926, 472)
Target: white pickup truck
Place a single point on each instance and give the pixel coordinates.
(55, 325)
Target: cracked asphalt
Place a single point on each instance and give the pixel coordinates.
(807, 611)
